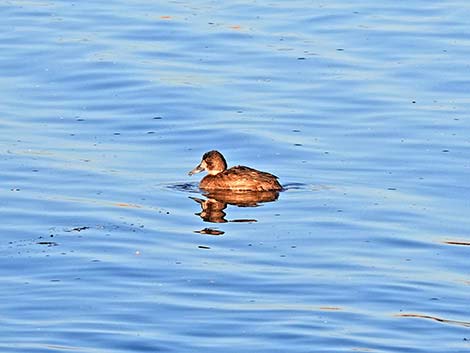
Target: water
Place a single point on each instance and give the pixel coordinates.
(360, 108)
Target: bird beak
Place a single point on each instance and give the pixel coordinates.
(198, 169)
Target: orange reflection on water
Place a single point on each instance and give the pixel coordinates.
(209, 231)
(123, 204)
(213, 207)
(330, 308)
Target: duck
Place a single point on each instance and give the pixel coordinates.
(239, 178)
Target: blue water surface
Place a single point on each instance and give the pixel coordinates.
(361, 109)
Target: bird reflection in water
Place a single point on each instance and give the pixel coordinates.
(216, 202)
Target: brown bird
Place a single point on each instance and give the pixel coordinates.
(235, 178)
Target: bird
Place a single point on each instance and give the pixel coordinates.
(239, 178)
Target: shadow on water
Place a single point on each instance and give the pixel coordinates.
(185, 187)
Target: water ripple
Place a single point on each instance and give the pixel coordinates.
(359, 108)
